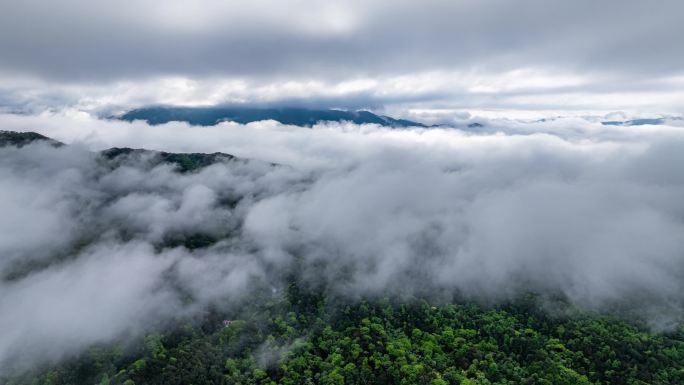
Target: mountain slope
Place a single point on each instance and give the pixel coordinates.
(184, 162)
(20, 139)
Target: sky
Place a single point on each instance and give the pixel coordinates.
(429, 59)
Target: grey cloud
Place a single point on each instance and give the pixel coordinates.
(79, 254)
(75, 39)
(548, 219)
(74, 53)
(104, 294)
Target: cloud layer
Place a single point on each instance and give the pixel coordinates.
(562, 207)
(490, 55)
(346, 39)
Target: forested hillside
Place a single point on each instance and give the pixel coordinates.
(304, 339)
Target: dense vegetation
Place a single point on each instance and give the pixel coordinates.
(301, 338)
(20, 139)
(184, 162)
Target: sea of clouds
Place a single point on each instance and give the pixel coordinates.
(593, 213)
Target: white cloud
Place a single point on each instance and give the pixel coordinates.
(567, 206)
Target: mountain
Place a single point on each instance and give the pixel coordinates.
(639, 122)
(184, 162)
(209, 116)
(20, 139)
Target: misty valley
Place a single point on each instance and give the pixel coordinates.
(131, 266)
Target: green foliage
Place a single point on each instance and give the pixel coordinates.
(20, 139)
(184, 162)
(302, 339)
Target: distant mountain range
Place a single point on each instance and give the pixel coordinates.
(209, 116)
(639, 122)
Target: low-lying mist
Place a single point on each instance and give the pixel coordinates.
(572, 208)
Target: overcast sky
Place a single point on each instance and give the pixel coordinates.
(407, 57)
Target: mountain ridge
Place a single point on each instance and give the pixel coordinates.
(183, 161)
(305, 117)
